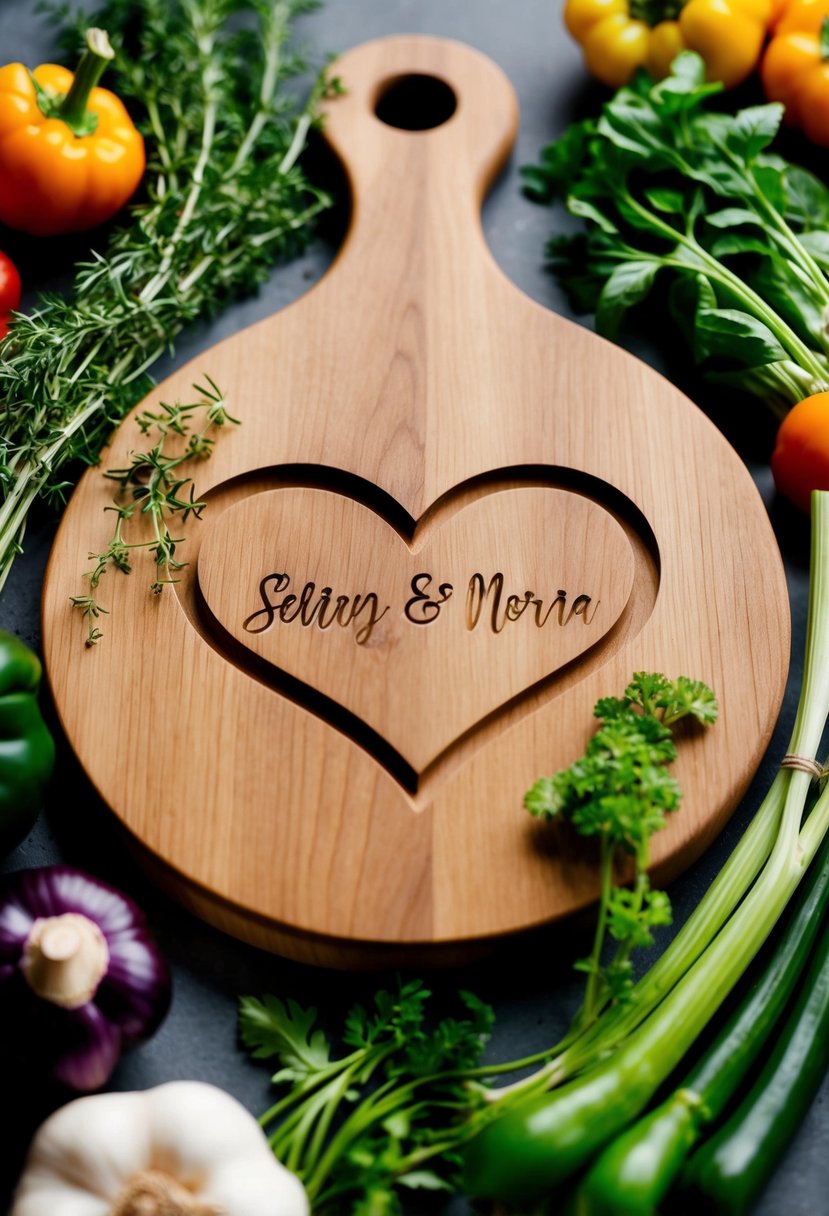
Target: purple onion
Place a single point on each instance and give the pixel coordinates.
(80, 974)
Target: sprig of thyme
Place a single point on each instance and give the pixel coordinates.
(225, 199)
(150, 485)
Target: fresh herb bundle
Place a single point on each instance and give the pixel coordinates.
(356, 1127)
(667, 186)
(225, 199)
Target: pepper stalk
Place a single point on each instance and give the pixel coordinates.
(72, 109)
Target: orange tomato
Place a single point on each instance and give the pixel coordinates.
(800, 462)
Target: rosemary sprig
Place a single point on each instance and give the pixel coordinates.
(151, 485)
(225, 199)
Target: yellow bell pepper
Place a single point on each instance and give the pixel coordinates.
(69, 155)
(616, 39)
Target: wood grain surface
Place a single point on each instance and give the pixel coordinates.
(351, 794)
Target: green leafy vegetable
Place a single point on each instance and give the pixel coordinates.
(669, 188)
(274, 1028)
(225, 201)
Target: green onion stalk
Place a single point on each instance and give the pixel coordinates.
(533, 1140)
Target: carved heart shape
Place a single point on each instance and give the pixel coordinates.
(418, 638)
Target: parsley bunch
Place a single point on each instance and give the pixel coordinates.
(621, 792)
(224, 200)
(669, 188)
(358, 1126)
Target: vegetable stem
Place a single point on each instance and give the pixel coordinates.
(97, 55)
(160, 278)
(753, 303)
(591, 996)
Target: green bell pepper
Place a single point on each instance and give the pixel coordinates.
(27, 750)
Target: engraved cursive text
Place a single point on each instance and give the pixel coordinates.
(488, 606)
(312, 607)
(487, 602)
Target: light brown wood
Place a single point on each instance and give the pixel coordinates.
(351, 794)
(414, 635)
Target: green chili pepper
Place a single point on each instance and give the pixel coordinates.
(539, 1143)
(635, 1172)
(728, 1173)
(27, 751)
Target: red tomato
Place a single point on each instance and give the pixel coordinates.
(9, 291)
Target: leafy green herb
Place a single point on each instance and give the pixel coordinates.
(668, 187)
(225, 200)
(151, 486)
(358, 1126)
(621, 792)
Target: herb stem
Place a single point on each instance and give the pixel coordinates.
(594, 977)
(751, 301)
(273, 37)
(160, 279)
(796, 251)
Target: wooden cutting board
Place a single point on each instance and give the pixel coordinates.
(448, 523)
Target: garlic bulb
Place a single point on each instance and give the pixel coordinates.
(181, 1149)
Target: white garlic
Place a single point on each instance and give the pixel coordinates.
(181, 1149)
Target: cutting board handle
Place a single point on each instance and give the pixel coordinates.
(423, 127)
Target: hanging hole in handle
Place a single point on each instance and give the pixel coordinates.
(415, 102)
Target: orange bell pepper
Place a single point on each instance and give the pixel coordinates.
(795, 68)
(70, 156)
(616, 37)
